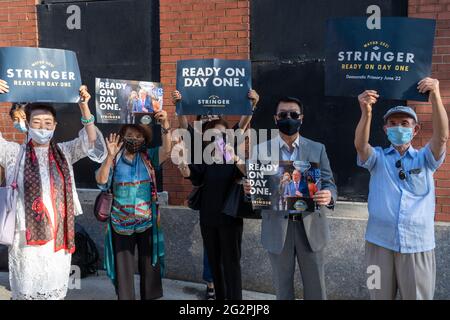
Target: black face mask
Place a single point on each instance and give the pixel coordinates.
(134, 145)
(289, 126)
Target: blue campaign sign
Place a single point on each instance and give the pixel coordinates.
(214, 86)
(390, 60)
(39, 75)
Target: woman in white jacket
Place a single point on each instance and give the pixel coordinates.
(44, 240)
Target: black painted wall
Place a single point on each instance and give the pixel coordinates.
(118, 39)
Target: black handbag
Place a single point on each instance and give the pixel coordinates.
(237, 206)
(194, 198)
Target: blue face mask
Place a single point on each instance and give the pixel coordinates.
(20, 126)
(399, 135)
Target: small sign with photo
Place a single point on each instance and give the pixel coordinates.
(127, 101)
(284, 185)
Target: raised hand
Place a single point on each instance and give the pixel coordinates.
(367, 99)
(176, 96)
(4, 88)
(179, 153)
(428, 84)
(113, 145)
(162, 118)
(84, 94)
(253, 95)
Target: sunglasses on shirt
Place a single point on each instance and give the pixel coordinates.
(291, 114)
(402, 173)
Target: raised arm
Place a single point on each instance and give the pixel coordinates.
(245, 120)
(86, 114)
(179, 158)
(164, 151)
(114, 145)
(366, 100)
(5, 146)
(182, 119)
(439, 116)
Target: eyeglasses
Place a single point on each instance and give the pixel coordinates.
(401, 173)
(291, 114)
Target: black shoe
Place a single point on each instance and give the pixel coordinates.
(210, 294)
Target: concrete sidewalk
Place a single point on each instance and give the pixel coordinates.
(100, 288)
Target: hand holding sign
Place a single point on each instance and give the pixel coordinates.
(4, 88)
(84, 95)
(176, 96)
(161, 117)
(322, 197)
(254, 97)
(428, 84)
(367, 99)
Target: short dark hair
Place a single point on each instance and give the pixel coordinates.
(16, 107)
(143, 129)
(39, 106)
(290, 99)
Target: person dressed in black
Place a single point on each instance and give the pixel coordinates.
(221, 233)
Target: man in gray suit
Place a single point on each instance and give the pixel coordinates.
(303, 236)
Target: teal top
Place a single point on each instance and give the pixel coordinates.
(133, 209)
(132, 190)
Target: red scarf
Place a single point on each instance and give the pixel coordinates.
(39, 228)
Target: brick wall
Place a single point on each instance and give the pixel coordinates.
(18, 27)
(198, 29)
(439, 10)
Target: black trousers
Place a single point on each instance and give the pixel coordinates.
(223, 246)
(124, 258)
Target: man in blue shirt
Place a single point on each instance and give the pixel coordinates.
(400, 230)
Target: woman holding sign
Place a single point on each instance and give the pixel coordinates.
(222, 234)
(47, 202)
(129, 172)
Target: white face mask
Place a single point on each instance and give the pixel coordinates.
(40, 136)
